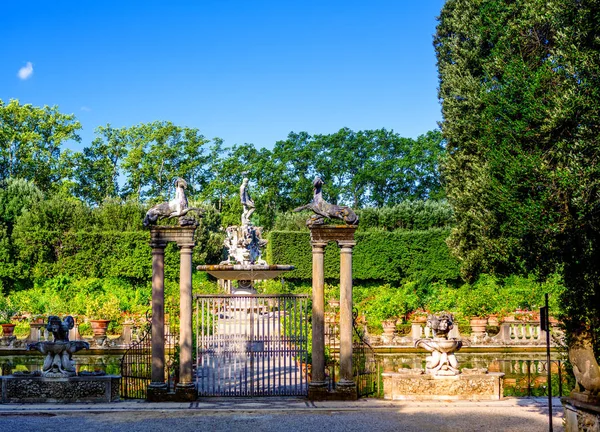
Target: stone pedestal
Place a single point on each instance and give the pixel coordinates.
(183, 236)
(415, 386)
(343, 235)
(582, 412)
(36, 389)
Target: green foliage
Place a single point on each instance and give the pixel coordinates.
(381, 302)
(7, 310)
(30, 140)
(520, 92)
(378, 256)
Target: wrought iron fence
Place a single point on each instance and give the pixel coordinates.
(365, 363)
(251, 345)
(136, 363)
(530, 377)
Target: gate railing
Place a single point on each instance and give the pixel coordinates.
(365, 363)
(530, 377)
(251, 345)
(136, 363)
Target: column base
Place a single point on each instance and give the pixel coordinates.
(157, 392)
(317, 390)
(185, 392)
(344, 391)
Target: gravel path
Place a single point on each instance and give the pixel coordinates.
(257, 415)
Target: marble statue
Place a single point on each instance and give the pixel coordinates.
(324, 210)
(247, 202)
(442, 360)
(177, 207)
(244, 243)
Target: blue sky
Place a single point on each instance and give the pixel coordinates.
(244, 71)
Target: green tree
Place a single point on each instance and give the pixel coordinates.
(520, 92)
(97, 168)
(17, 196)
(158, 153)
(30, 140)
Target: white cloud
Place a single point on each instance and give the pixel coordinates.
(86, 109)
(26, 71)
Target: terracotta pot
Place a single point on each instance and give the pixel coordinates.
(99, 327)
(8, 329)
(478, 326)
(389, 326)
(493, 320)
(419, 319)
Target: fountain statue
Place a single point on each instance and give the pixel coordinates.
(59, 353)
(243, 244)
(442, 380)
(442, 360)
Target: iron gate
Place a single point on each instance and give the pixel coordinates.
(251, 345)
(136, 363)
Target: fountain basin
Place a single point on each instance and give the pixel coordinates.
(249, 272)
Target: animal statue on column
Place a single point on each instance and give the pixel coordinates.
(177, 207)
(323, 209)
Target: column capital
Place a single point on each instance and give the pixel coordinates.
(186, 246)
(318, 245)
(346, 244)
(158, 244)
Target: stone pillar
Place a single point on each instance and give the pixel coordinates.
(157, 384)
(346, 375)
(318, 382)
(185, 388)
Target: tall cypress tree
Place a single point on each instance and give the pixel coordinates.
(520, 93)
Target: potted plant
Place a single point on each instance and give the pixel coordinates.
(7, 311)
(418, 316)
(102, 311)
(477, 303)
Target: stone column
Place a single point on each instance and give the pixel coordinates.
(346, 375)
(157, 384)
(185, 388)
(318, 317)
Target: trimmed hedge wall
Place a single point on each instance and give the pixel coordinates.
(93, 255)
(378, 256)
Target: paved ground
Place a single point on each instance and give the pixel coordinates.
(284, 414)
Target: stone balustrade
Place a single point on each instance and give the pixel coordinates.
(514, 333)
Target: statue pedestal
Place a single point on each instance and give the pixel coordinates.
(406, 386)
(37, 389)
(580, 411)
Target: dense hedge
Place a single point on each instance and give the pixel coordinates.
(378, 256)
(92, 255)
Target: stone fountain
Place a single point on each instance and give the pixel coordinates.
(59, 353)
(243, 244)
(58, 381)
(442, 379)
